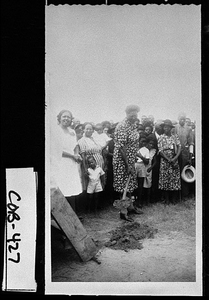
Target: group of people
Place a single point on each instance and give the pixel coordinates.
(98, 160)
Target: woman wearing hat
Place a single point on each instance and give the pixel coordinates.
(169, 175)
(126, 138)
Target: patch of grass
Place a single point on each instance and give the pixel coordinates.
(178, 217)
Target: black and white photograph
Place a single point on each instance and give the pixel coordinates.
(123, 206)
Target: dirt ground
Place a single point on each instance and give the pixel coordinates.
(160, 249)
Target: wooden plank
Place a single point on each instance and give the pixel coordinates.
(71, 225)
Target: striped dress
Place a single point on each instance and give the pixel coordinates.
(88, 146)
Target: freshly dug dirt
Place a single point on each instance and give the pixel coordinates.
(159, 246)
(128, 236)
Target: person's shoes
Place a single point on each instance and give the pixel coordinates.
(125, 217)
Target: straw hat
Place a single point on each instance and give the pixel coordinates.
(188, 174)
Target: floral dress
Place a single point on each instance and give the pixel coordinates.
(125, 135)
(169, 175)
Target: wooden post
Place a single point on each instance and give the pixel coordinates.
(71, 226)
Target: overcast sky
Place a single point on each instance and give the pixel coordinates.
(99, 59)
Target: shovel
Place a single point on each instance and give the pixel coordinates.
(124, 203)
(126, 187)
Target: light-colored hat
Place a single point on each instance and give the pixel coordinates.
(188, 174)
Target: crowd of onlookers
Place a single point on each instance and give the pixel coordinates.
(161, 149)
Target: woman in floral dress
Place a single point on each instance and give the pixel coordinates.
(169, 148)
(126, 139)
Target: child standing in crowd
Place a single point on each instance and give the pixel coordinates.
(144, 119)
(148, 129)
(140, 129)
(105, 130)
(95, 184)
(140, 165)
(100, 137)
(152, 162)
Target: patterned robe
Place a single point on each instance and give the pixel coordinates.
(125, 135)
(169, 177)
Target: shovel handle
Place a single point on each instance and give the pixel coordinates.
(126, 187)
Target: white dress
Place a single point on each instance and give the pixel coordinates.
(67, 177)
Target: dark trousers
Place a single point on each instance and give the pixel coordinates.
(93, 200)
(155, 192)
